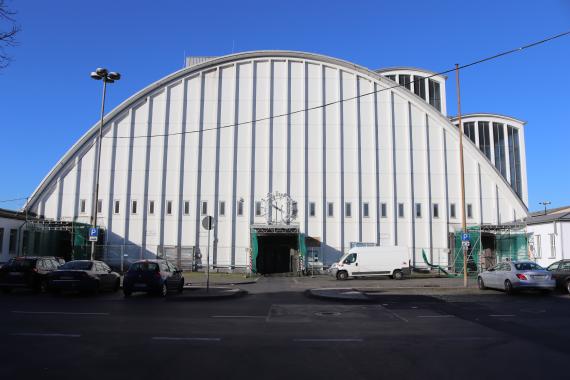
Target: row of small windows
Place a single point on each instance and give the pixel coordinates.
(419, 87)
(513, 146)
(258, 209)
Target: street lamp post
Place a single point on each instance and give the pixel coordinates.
(107, 77)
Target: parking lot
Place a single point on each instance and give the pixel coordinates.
(411, 328)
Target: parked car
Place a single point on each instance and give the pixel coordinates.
(511, 276)
(153, 276)
(560, 271)
(27, 272)
(83, 276)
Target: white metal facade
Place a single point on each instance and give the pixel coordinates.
(389, 150)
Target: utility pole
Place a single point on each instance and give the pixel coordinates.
(464, 246)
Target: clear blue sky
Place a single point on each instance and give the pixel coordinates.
(47, 100)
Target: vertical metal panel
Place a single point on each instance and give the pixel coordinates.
(127, 195)
(394, 180)
(164, 167)
(359, 153)
(149, 102)
(341, 152)
(217, 167)
(412, 192)
(235, 129)
(199, 163)
(429, 190)
(182, 151)
(111, 191)
(376, 161)
(445, 181)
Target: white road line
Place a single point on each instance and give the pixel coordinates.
(501, 315)
(49, 335)
(238, 316)
(174, 338)
(55, 313)
(328, 340)
(436, 316)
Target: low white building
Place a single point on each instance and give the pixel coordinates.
(10, 231)
(549, 235)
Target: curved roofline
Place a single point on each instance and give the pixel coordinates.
(177, 75)
(396, 68)
(483, 114)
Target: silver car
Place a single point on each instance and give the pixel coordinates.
(511, 276)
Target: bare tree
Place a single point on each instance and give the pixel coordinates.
(7, 37)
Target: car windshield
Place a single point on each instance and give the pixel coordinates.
(528, 266)
(21, 264)
(77, 265)
(144, 266)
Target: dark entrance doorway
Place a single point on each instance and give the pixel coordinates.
(274, 252)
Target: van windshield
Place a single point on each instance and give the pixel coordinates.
(350, 259)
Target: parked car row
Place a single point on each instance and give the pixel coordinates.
(43, 274)
(514, 276)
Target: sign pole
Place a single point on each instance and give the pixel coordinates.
(208, 265)
(462, 171)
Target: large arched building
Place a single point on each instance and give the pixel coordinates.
(380, 166)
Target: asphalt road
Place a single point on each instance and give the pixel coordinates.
(277, 332)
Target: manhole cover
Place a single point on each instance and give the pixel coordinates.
(328, 313)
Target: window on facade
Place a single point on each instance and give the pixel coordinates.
(469, 211)
(240, 208)
(400, 210)
(1, 239)
(82, 206)
(222, 208)
(117, 207)
(348, 209)
(330, 209)
(434, 94)
(151, 207)
(134, 207)
(537, 247)
(186, 207)
(169, 207)
(204, 208)
(469, 130)
(499, 141)
(257, 208)
(452, 210)
(420, 86)
(484, 139)
(312, 209)
(435, 210)
(12, 243)
(383, 210)
(418, 210)
(404, 80)
(99, 206)
(514, 158)
(391, 77)
(365, 210)
(552, 246)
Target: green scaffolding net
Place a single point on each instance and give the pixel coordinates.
(254, 251)
(302, 248)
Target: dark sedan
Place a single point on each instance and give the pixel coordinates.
(153, 276)
(29, 272)
(560, 271)
(84, 276)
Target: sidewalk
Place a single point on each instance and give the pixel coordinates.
(219, 278)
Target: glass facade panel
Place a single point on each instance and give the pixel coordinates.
(391, 77)
(515, 159)
(434, 94)
(499, 141)
(420, 86)
(404, 80)
(469, 130)
(484, 139)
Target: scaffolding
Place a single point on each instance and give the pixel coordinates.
(489, 245)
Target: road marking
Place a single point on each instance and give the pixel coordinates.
(501, 315)
(49, 335)
(328, 340)
(238, 316)
(436, 316)
(174, 338)
(466, 338)
(55, 313)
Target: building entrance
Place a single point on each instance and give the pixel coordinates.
(276, 252)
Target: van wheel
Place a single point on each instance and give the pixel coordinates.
(342, 275)
(398, 275)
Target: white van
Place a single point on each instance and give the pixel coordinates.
(372, 262)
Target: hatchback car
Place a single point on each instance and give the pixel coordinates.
(29, 272)
(83, 276)
(560, 271)
(153, 276)
(511, 276)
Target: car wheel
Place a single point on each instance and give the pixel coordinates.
(398, 275)
(567, 286)
(95, 290)
(117, 286)
(127, 293)
(509, 290)
(342, 275)
(6, 290)
(181, 286)
(164, 290)
(43, 286)
(481, 284)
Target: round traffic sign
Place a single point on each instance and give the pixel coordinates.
(208, 222)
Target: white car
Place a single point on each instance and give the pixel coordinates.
(511, 276)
